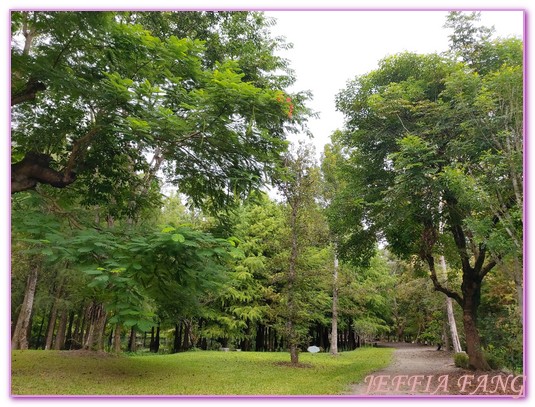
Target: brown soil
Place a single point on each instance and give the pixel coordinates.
(422, 370)
(295, 365)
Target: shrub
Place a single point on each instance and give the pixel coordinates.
(461, 360)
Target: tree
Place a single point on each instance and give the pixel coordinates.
(95, 93)
(412, 159)
(299, 186)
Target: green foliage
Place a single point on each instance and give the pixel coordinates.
(461, 360)
(211, 106)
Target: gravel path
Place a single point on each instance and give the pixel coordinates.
(422, 370)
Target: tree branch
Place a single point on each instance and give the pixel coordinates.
(457, 231)
(485, 270)
(35, 168)
(28, 93)
(436, 284)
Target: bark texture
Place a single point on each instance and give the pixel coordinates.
(20, 335)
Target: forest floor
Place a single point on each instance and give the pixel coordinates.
(425, 371)
(39, 372)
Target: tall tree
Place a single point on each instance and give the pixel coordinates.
(299, 186)
(412, 153)
(94, 93)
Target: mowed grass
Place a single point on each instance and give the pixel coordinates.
(36, 372)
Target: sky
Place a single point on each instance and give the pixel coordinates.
(332, 47)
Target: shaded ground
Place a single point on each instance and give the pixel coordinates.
(422, 370)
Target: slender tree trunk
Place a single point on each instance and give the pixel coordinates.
(449, 310)
(53, 317)
(292, 274)
(446, 335)
(157, 340)
(20, 335)
(176, 341)
(51, 326)
(334, 324)
(78, 335)
(69, 336)
(38, 340)
(132, 341)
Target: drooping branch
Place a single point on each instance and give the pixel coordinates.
(437, 285)
(28, 93)
(35, 168)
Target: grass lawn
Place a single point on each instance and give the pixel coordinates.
(37, 372)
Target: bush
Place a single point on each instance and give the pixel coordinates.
(461, 360)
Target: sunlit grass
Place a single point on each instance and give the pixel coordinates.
(191, 373)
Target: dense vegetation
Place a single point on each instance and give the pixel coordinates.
(142, 142)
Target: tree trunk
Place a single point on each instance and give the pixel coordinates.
(59, 342)
(453, 326)
(445, 335)
(154, 339)
(157, 340)
(476, 359)
(69, 335)
(471, 291)
(292, 312)
(176, 341)
(186, 339)
(96, 318)
(334, 324)
(38, 339)
(20, 335)
(53, 317)
(51, 326)
(449, 310)
(117, 339)
(132, 341)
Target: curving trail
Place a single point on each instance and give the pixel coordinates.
(424, 371)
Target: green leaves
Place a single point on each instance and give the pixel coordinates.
(208, 100)
(177, 237)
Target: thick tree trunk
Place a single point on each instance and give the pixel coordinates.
(117, 339)
(187, 332)
(334, 324)
(20, 335)
(96, 317)
(59, 342)
(476, 359)
(471, 291)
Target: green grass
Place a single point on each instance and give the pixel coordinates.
(37, 372)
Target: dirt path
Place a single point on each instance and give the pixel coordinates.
(422, 370)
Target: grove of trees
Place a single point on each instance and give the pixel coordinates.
(143, 144)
